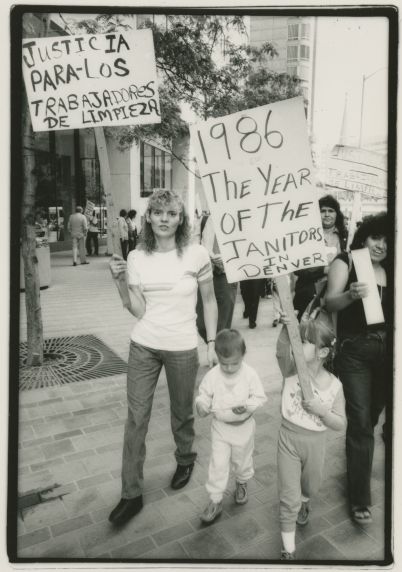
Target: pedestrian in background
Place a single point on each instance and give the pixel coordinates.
(163, 274)
(225, 293)
(310, 281)
(132, 230)
(231, 391)
(78, 227)
(251, 294)
(92, 236)
(122, 229)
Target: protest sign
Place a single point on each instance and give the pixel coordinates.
(91, 80)
(257, 176)
(89, 208)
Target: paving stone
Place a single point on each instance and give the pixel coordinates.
(147, 522)
(71, 524)
(172, 533)
(241, 530)
(133, 549)
(43, 514)
(32, 538)
(58, 491)
(58, 449)
(46, 464)
(101, 537)
(34, 482)
(351, 540)
(68, 472)
(83, 501)
(67, 434)
(173, 551)
(36, 442)
(28, 500)
(80, 455)
(94, 428)
(319, 548)
(49, 429)
(28, 456)
(96, 479)
(207, 545)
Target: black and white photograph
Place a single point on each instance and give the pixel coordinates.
(217, 385)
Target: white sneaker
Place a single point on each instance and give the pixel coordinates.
(212, 511)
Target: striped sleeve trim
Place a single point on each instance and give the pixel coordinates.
(205, 272)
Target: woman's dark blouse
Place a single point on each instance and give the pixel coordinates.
(351, 320)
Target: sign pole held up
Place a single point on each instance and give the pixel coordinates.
(303, 373)
(107, 186)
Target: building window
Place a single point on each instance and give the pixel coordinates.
(305, 31)
(293, 31)
(304, 52)
(156, 169)
(292, 70)
(292, 53)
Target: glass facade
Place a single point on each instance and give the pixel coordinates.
(156, 169)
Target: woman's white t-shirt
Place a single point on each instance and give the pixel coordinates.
(169, 285)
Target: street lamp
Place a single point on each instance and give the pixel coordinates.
(365, 78)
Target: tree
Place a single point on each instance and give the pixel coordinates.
(204, 62)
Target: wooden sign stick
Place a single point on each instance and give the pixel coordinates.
(294, 336)
(111, 214)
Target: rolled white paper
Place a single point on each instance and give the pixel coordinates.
(365, 273)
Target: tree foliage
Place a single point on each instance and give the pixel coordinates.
(206, 63)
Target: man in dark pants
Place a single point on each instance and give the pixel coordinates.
(225, 293)
(251, 293)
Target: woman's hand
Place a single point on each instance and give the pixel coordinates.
(211, 355)
(358, 290)
(117, 266)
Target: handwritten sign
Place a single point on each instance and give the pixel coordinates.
(89, 209)
(89, 80)
(257, 176)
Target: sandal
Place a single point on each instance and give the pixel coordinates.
(361, 515)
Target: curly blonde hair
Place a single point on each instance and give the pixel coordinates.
(162, 198)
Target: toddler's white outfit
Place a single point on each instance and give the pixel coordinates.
(232, 435)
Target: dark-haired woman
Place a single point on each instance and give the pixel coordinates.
(132, 229)
(361, 357)
(311, 280)
(123, 232)
(163, 274)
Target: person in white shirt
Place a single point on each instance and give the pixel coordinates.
(301, 442)
(163, 274)
(78, 227)
(231, 391)
(92, 236)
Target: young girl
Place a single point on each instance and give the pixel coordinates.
(232, 391)
(301, 445)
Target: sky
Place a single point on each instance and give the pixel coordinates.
(348, 49)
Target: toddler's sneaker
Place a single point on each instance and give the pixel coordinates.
(241, 496)
(288, 555)
(304, 514)
(212, 511)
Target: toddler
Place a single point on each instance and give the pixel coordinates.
(301, 444)
(231, 391)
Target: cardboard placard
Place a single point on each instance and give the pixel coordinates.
(91, 80)
(257, 175)
(89, 209)
(365, 273)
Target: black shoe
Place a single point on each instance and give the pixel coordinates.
(181, 476)
(252, 325)
(74, 264)
(126, 509)
(245, 315)
(85, 262)
(275, 323)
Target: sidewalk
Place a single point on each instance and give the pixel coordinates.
(70, 454)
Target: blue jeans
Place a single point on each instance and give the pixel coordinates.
(362, 369)
(144, 367)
